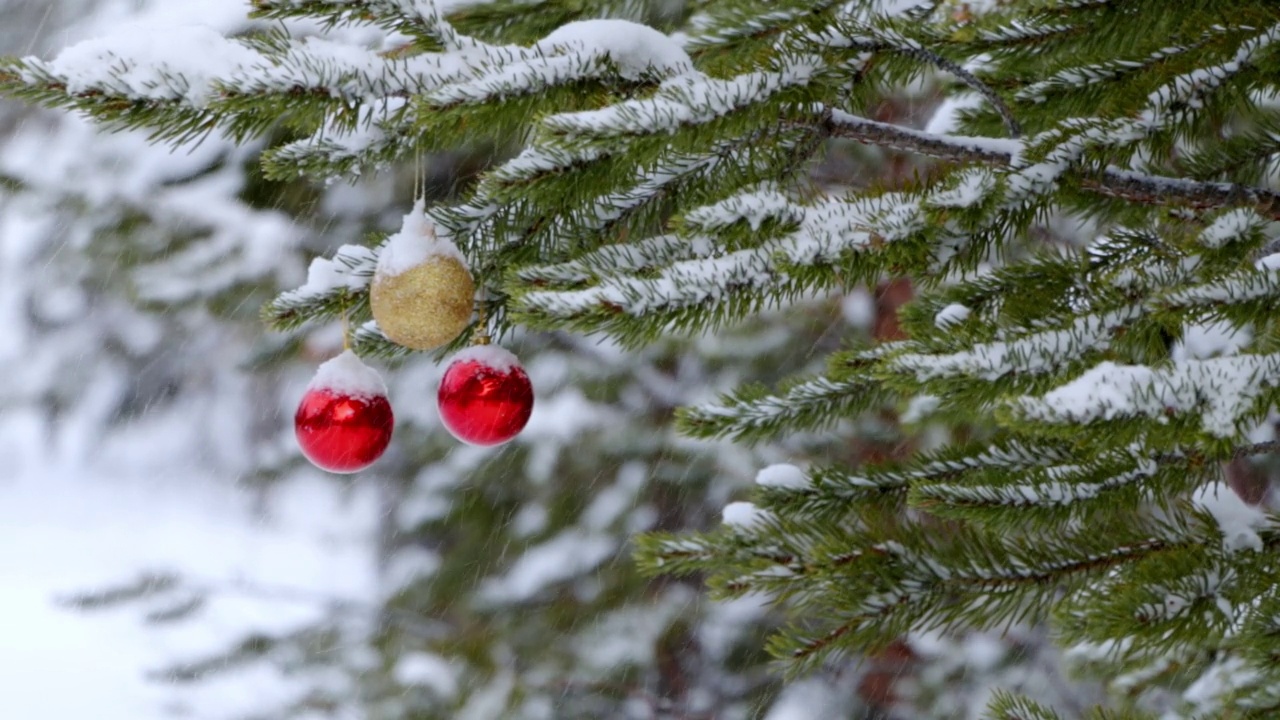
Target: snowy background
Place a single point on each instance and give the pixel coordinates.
(68, 529)
(126, 435)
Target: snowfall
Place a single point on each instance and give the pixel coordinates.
(71, 529)
(78, 515)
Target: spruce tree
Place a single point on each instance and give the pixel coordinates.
(1089, 352)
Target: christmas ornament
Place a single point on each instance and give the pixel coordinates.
(422, 292)
(485, 397)
(344, 421)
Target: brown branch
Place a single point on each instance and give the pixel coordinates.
(1199, 458)
(1118, 556)
(1111, 182)
(818, 644)
(1006, 115)
(947, 147)
(1261, 448)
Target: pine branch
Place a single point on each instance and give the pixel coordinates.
(833, 246)
(1020, 356)
(1220, 395)
(335, 289)
(732, 27)
(1007, 706)
(417, 18)
(835, 494)
(749, 415)
(602, 198)
(1114, 182)
(936, 584)
(638, 257)
(687, 100)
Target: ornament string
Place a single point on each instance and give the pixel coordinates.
(346, 332)
(482, 325)
(417, 174)
(346, 326)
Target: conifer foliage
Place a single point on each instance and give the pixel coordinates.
(1094, 250)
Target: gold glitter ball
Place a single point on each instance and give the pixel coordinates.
(425, 306)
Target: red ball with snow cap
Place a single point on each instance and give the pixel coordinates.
(344, 422)
(485, 396)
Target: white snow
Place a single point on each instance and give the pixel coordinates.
(688, 99)
(407, 568)
(946, 118)
(650, 181)
(535, 160)
(858, 308)
(755, 206)
(347, 375)
(1037, 352)
(1269, 262)
(953, 314)
(1108, 387)
(1207, 694)
(495, 357)
(1222, 389)
(182, 62)
(414, 244)
(429, 670)
(970, 187)
(744, 515)
(978, 145)
(637, 50)
(1076, 76)
(920, 407)
(1238, 521)
(730, 623)
(326, 275)
(783, 476)
(1231, 226)
(1201, 341)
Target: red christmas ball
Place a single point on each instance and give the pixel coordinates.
(485, 397)
(344, 421)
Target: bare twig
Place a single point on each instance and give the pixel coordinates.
(1011, 123)
(881, 40)
(1261, 448)
(1111, 182)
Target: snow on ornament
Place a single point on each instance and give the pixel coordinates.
(485, 397)
(422, 293)
(344, 421)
